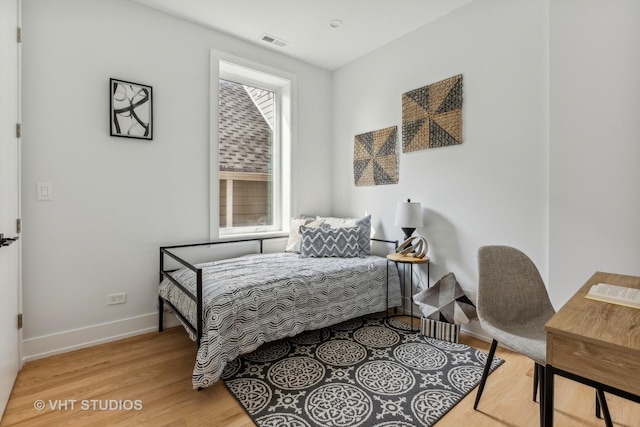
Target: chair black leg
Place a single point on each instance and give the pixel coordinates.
(601, 402)
(535, 381)
(541, 383)
(485, 373)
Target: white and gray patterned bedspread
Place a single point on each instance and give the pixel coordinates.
(255, 299)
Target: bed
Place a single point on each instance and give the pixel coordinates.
(232, 306)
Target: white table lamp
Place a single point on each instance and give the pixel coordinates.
(409, 217)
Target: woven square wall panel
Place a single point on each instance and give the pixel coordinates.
(432, 115)
(375, 161)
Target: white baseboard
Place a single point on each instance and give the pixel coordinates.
(474, 334)
(63, 342)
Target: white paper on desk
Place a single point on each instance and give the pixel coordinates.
(615, 294)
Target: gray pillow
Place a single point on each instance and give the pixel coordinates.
(364, 235)
(329, 242)
(364, 228)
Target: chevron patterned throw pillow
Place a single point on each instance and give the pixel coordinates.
(329, 242)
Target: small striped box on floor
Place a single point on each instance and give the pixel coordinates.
(440, 330)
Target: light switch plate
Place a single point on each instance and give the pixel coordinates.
(45, 191)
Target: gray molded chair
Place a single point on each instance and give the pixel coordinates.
(513, 306)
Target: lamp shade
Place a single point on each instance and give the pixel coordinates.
(409, 214)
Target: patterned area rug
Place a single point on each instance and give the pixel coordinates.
(368, 371)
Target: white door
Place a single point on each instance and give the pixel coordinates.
(9, 198)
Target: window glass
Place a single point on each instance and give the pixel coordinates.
(246, 151)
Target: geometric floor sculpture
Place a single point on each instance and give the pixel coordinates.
(446, 301)
(357, 373)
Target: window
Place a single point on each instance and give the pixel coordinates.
(246, 128)
(251, 148)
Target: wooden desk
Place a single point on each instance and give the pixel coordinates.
(596, 343)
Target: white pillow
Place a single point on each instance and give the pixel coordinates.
(293, 244)
(335, 222)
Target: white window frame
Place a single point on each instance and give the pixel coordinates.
(243, 71)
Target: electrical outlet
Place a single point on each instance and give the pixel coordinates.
(113, 299)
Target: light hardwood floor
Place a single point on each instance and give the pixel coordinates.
(155, 369)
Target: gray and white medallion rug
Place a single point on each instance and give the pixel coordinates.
(356, 373)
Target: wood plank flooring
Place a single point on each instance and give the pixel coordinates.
(154, 371)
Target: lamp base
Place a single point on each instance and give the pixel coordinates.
(408, 232)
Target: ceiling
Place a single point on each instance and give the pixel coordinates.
(304, 24)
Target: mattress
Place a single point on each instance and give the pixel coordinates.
(254, 299)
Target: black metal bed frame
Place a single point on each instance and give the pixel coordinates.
(166, 250)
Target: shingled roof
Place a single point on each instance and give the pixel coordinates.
(245, 135)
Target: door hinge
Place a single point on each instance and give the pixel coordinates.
(19, 35)
(20, 321)
(19, 225)
(18, 130)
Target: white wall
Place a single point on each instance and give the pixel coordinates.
(595, 142)
(570, 203)
(556, 175)
(491, 189)
(116, 200)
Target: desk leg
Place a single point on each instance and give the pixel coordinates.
(548, 396)
(602, 402)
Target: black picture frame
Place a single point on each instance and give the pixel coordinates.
(131, 109)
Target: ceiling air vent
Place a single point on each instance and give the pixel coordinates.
(273, 40)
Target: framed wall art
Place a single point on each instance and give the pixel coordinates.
(131, 109)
